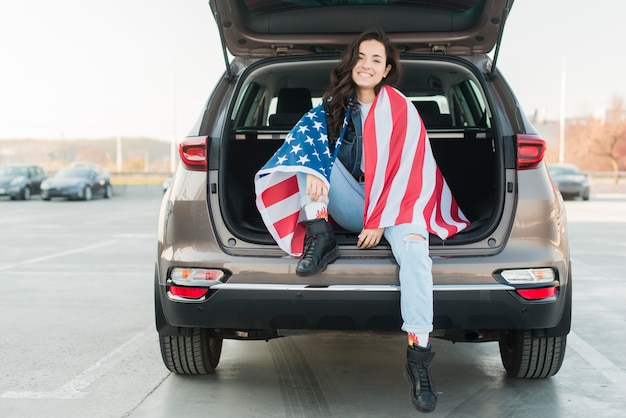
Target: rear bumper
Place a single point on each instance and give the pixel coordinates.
(11, 191)
(272, 307)
(70, 194)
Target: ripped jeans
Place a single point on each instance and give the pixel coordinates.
(346, 201)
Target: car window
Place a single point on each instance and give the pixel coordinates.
(272, 109)
(73, 172)
(563, 170)
(446, 96)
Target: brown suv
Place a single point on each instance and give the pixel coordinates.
(219, 274)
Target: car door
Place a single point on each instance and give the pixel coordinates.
(36, 176)
(99, 182)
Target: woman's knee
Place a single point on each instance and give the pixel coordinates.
(415, 237)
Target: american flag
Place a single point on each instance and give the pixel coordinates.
(305, 150)
(402, 181)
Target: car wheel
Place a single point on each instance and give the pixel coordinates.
(87, 193)
(585, 195)
(531, 357)
(108, 191)
(198, 353)
(26, 193)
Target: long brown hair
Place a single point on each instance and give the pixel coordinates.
(339, 96)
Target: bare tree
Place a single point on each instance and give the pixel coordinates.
(596, 144)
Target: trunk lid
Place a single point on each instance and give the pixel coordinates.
(253, 28)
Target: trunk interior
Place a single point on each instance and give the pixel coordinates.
(450, 98)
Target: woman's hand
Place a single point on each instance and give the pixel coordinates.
(369, 238)
(315, 188)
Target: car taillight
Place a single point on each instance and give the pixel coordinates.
(534, 294)
(196, 276)
(193, 153)
(529, 276)
(530, 151)
(188, 292)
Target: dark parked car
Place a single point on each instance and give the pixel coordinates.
(80, 182)
(21, 181)
(570, 181)
(219, 274)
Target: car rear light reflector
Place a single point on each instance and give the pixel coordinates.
(188, 292)
(196, 276)
(529, 276)
(530, 151)
(534, 294)
(193, 153)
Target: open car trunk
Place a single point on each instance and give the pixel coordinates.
(449, 94)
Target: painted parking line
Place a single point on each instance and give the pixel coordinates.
(59, 254)
(599, 362)
(74, 389)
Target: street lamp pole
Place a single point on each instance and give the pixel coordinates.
(562, 114)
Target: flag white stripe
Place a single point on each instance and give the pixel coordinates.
(382, 114)
(399, 184)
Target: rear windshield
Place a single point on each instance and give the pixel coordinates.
(272, 6)
(276, 96)
(74, 172)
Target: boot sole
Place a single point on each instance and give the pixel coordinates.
(328, 258)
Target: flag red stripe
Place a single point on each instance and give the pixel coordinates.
(455, 212)
(438, 214)
(279, 191)
(297, 242)
(416, 182)
(397, 141)
(286, 225)
(398, 107)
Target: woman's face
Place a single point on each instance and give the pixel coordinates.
(371, 66)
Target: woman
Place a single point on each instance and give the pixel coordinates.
(365, 151)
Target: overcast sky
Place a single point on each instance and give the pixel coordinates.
(96, 69)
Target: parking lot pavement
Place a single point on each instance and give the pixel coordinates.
(78, 338)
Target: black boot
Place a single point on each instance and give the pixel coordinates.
(417, 373)
(320, 248)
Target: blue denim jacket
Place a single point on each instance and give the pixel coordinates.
(351, 149)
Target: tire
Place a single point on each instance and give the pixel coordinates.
(108, 191)
(585, 195)
(528, 357)
(87, 193)
(197, 354)
(26, 193)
